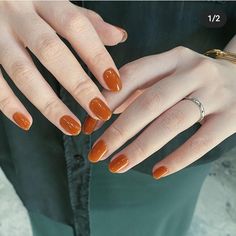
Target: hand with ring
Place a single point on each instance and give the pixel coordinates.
(162, 96)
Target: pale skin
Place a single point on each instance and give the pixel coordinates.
(152, 99)
(155, 85)
(36, 25)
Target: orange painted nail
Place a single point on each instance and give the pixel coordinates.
(118, 163)
(97, 151)
(21, 120)
(89, 125)
(100, 109)
(112, 80)
(160, 172)
(70, 125)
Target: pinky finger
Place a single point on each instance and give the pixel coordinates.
(211, 133)
(11, 107)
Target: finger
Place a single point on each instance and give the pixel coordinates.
(136, 77)
(12, 108)
(109, 34)
(73, 25)
(152, 103)
(17, 63)
(142, 74)
(128, 101)
(57, 58)
(155, 136)
(90, 125)
(211, 133)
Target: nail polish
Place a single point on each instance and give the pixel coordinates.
(112, 80)
(100, 109)
(98, 151)
(118, 163)
(89, 125)
(70, 125)
(160, 172)
(21, 120)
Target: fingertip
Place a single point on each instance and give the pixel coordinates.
(22, 120)
(112, 80)
(160, 172)
(124, 34)
(89, 125)
(70, 125)
(112, 35)
(98, 151)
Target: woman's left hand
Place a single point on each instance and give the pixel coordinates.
(163, 81)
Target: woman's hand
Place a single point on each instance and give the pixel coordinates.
(163, 81)
(35, 25)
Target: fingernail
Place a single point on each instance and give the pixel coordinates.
(100, 109)
(89, 125)
(112, 80)
(160, 172)
(70, 125)
(21, 120)
(125, 34)
(98, 151)
(118, 163)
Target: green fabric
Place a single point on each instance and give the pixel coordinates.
(44, 226)
(133, 203)
(34, 161)
(50, 171)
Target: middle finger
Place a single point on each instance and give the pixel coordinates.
(148, 106)
(54, 54)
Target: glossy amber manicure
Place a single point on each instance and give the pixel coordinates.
(112, 80)
(21, 120)
(70, 125)
(97, 151)
(89, 125)
(100, 109)
(160, 172)
(118, 163)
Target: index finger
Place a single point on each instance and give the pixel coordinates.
(70, 22)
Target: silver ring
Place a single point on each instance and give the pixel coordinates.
(201, 108)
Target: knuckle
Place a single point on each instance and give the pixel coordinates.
(139, 148)
(48, 46)
(5, 52)
(5, 102)
(117, 132)
(152, 102)
(182, 50)
(208, 66)
(128, 70)
(50, 106)
(173, 120)
(75, 22)
(200, 144)
(21, 72)
(97, 58)
(82, 88)
(95, 14)
(92, 14)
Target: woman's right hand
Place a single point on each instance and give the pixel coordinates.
(35, 25)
